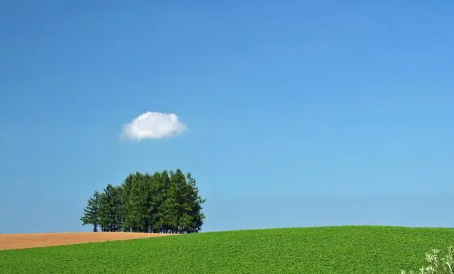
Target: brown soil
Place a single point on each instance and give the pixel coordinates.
(19, 241)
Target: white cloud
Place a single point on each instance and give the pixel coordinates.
(153, 125)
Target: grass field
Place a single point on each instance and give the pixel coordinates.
(343, 250)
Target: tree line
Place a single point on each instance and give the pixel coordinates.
(164, 202)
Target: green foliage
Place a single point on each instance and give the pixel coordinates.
(334, 250)
(163, 202)
(111, 214)
(436, 265)
(92, 212)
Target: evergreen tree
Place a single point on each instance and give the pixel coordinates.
(156, 194)
(132, 209)
(91, 212)
(182, 193)
(127, 202)
(163, 202)
(168, 220)
(117, 204)
(196, 201)
(111, 218)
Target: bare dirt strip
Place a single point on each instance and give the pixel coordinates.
(19, 241)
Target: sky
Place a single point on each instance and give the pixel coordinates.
(287, 113)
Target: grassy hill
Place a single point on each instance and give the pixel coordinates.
(343, 250)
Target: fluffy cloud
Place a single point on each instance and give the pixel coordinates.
(153, 125)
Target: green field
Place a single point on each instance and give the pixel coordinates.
(343, 250)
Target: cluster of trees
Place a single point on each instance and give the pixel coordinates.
(164, 202)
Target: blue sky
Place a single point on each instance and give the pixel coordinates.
(297, 113)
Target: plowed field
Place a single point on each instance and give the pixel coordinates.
(19, 241)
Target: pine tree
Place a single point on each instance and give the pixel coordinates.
(156, 195)
(163, 202)
(111, 217)
(92, 212)
(127, 202)
(184, 203)
(117, 208)
(169, 211)
(105, 219)
(137, 214)
(196, 201)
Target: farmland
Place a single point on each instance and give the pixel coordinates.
(19, 241)
(343, 249)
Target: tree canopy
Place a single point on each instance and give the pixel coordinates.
(164, 202)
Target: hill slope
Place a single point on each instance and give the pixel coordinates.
(343, 250)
